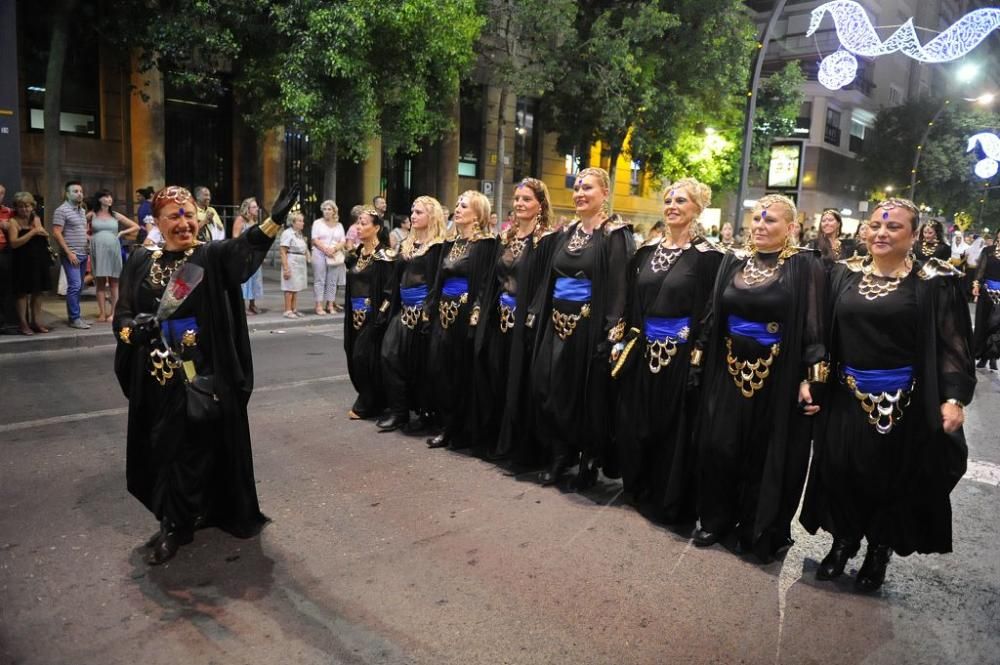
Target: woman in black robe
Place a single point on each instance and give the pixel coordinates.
(670, 288)
(889, 446)
(828, 243)
(404, 347)
(766, 335)
(465, 266)
(190, 471)
(370, 287)
(580, 312)
(930, 243)
(986, 290)
(503, 407)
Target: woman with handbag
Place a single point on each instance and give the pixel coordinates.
(184, 363)
(294, 275)
(329, 246)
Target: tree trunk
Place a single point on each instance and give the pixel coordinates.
(53, 105)
(330, 172)
(501, 141)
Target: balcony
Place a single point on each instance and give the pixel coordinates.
(856, 144)
(832, 135)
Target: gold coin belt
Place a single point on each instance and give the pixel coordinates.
(884, 410)
(994, 295)
(159, 273)
(410, 316)
(359, 316)
(565, 324)
(448, 310)
(459, 250)
(754, 274)
(749, 376)
(664, 258)
(163, 365)
(579, 240)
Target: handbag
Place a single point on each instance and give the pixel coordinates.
(203, 405)
(336, 260)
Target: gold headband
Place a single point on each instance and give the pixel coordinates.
(172, 194)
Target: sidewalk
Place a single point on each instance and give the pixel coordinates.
(99, 334)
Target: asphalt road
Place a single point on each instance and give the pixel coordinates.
(382, 551)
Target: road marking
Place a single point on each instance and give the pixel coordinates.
(983, 472)
(122, 410)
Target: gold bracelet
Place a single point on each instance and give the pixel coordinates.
(270, 228)
(696, 356)
(819, 372)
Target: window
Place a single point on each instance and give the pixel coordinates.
(832, 132)
(635, 179)
(572, 168)
(858, 131)
(803, 123)
(525, 138)
(895, 95)
(470, 136)
(81, 99)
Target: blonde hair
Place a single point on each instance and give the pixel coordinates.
(245, 208)
(436, 227)
(769, 200)
(331, 203)
(700, 193)
(480, 205)
(293, 216)
(598, 173)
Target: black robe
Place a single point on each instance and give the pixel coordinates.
(986, 338)
(503, 410)
(655, 411)
(181, 472)
(571, 379)
(912, 512)
(450, 365)
(758, 482)
(848, 246)
(940, 250)
(404, 347)
(363, 344)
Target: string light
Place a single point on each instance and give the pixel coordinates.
(857, 35)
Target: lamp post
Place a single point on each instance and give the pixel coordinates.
(751, 107)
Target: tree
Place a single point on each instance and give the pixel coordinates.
(708, 148)
(635, 73)
(945, 179)
(519, 50)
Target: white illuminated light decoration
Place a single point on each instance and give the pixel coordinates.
(857, 36)
(990, 143)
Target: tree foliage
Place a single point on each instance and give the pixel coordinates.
(635, 73)
(945, 179)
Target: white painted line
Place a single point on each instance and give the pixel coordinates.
(983, 472)
(122, 410)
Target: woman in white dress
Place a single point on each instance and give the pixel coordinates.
(294, 275)
(328, 246)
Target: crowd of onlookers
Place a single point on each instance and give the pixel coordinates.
(90, 241)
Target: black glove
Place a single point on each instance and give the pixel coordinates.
(283, 204)
(144, 328)
(603, 351)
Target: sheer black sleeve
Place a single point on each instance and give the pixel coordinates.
(620, 250)
(955, 366)
(815, 311)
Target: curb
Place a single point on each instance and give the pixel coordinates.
(92, 339)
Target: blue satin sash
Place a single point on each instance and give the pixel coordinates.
(659, 329)
(877, 381)
(993, 285)
(455, 287)
(414, 296)
(755, 330)
(360, 304)
(173, 329)
(573, 289)
(508, 301)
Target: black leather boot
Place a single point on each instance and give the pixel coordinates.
(981, 364)
(439, 441)
(170, 539)
(836, 559)
(422, 423)
(704, 538)
(551, 475)
(872, 572)
(392, 421)
(586, 477)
